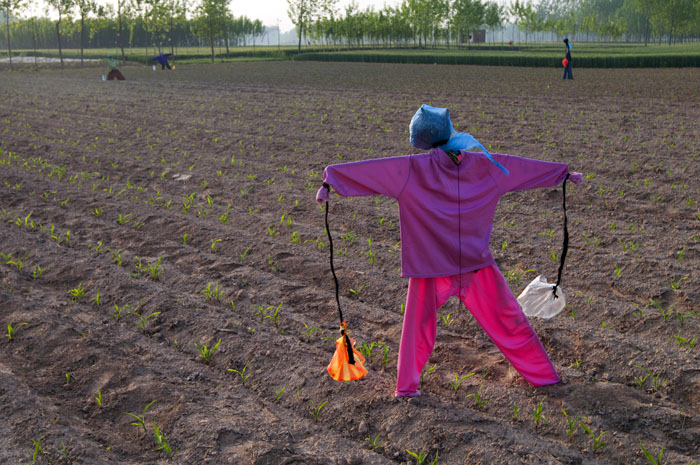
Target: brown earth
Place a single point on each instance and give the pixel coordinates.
(95, 172)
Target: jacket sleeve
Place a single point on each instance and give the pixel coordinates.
(380, 176)
(526, 173)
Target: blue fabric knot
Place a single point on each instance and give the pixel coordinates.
(431, 127)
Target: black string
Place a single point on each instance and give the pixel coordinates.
(351, 358)
(565, 247)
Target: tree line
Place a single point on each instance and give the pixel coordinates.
(431, 22)
(156, 25)
(166, 24)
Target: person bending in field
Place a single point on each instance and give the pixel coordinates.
(163, 60)
(447, 199)
(567, 68)
(114, 72)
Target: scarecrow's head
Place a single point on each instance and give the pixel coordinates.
(430, 127)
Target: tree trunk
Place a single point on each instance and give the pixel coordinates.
(211, 43)
(36, 65)
(121, 41)
(301, 31)
(82, 37)
(58, 36)
(227, 50)
(9, 48)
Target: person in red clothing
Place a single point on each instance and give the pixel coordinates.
(567, 69)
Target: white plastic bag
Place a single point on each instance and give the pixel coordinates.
(537, 299)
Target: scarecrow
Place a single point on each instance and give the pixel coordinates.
(113, 66)
(447, 199)
(163, 60)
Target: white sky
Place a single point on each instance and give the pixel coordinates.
(270, 11)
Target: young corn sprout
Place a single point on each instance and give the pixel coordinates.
(140, 419)
(205, 352)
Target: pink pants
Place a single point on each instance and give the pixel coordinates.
(487, 296)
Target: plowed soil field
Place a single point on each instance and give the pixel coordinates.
(151, 224)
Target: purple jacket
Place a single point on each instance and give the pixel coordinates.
(444, 209)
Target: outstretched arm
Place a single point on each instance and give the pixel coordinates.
(526, 173)
(381, 176)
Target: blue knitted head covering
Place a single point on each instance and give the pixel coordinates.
(431, 127)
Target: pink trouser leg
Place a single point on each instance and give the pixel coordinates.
(418, 334)
(493, 305)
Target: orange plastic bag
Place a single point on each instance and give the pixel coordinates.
(565, 62)
(340, 368)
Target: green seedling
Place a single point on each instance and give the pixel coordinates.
(252, 212)
(537, 414)
(275, 315)
(598, 442)
(278, 394)
(213, 294)
(656, 383)
(213, 244)
(316, 411)
(118, 311)
(224, 218)
(140, 419)
(675, 285)
(356, 292)
(459, 380)
(205, 352)
(123, 219)
(385, 351)
(155, 269)
(273, 265)
(654, 460)
(37, 450)
(447, 320)
(98, 398)
(480, 401)
(77, 294)
(244, 254)
(427, 372)
(366, 350)
(640, 380)
(295, 237)
(374, 443)
(160, 440)
(572, 422)
(186, 237)
(67, 376)
(420, 457)
(117, 256)
(665, 313)
(38, 271)
(143, 320)
(371, 256)
(310, 331)
(139, 268)
(272, 231)
(16, 262)
(516, 411)
(241, 373)
(12, 329)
